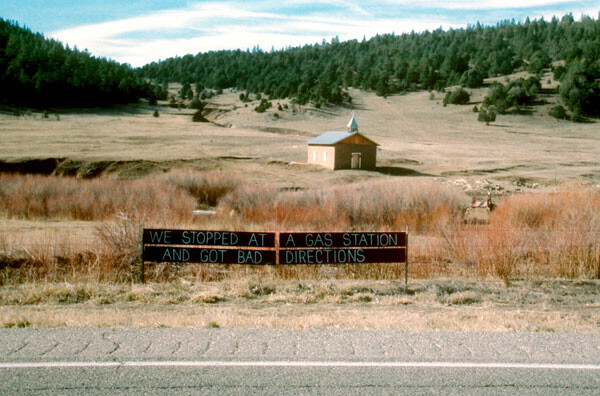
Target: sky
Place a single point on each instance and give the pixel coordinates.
(139, 32)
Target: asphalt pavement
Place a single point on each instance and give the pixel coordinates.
(82, 361)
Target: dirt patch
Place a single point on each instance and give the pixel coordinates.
(31, 166)
(90, 169)
(284, 131)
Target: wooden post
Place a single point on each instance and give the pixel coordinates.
(141, 257)
(406, 265)
(277, 237)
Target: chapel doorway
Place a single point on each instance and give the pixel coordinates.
(356, 161)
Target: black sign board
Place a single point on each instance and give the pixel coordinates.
(289, 240)
(259, 248)
(342, 256)
(168, 254)
(342, 247)
(208, 238)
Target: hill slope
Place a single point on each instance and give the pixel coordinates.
(418, 137)
(35, 71)
(392, 63)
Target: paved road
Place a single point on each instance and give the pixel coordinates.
(276, 362)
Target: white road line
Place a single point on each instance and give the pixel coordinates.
(528, 366)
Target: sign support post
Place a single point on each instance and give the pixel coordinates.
(141, 257)
(406, 265)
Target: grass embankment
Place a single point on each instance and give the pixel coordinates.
(551, 234)
(466, 305)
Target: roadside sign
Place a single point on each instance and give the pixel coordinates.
(341, 256)
(342, 239)
(342, 247)
(168, 254)
(272, 248)
(268, 248)
(208, 238)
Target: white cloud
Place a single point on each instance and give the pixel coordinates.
(227, 26)
(184, 18)
(230, 25)
(279, 36)
(478, 4)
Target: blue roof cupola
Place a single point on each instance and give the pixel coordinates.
(353, 125)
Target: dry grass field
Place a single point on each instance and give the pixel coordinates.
(417, 137)
(530, 306)
(68, 245)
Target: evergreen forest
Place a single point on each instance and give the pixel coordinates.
(393, 63)
(42, 73)
(35, 71)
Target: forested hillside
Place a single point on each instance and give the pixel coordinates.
(395, 63)
(35, 71)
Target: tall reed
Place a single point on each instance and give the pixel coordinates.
(545, 234)
(421, 206)
(53, 197)
(207, 187)
(554, 234)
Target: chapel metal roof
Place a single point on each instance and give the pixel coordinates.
(331, 137)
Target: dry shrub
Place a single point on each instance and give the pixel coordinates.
(533, 234)
(53, 197)
(464, 298)
(122, 205)
(272, 208)
(3, 244)
(485, 251)
(562, 230)
(530, 235)
(423, 206)
(119, 249)
(548, 211)
(112, 256)
(206, 187)
(46, 258)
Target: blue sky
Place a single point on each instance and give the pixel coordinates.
(138, 32)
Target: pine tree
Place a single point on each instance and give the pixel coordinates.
(486, 115)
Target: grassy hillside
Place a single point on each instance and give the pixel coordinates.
(418, 137)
